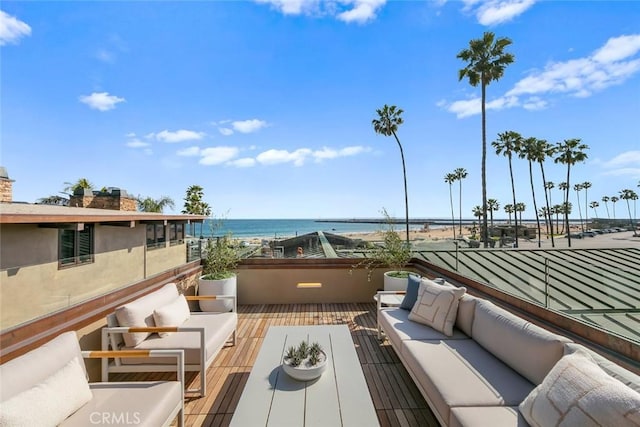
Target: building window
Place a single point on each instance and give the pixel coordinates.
(75, 247)
(176, 233)
(155, 236)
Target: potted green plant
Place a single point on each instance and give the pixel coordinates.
(220, 261)
(305, 362)
(394, 253)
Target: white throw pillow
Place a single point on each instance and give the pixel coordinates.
(172, 314)
(139, 313)
(437, 306)
(577, 392)
(50, 402)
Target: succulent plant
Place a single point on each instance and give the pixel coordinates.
(291, 351)
(296, 356)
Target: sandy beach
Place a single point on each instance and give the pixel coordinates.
(610, 240)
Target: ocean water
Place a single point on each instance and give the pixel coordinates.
(281, 228)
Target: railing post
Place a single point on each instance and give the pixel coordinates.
(546, 282)
(456, 243)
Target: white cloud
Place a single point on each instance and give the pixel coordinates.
(245, 162)
(12, 29)
(493, 12)
(105, 56)
(627, 158)
(248, 126)
(217, 155)
(136, 143)
(226, 131)
(273, 156)
(177, 136)
(613, 63)
(330, 153)
(101, 101)
(359, 11)
(189, 152)
(363, 11)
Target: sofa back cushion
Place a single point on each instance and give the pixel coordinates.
(34, 367)
(466, 313)
(528, 349)
(139, 312)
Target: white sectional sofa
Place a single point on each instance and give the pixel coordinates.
(482, 370)
(162, 320)
(48, 386)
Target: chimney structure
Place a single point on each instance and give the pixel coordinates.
(111, 198)
(6, 186)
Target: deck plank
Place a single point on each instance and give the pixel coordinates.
(395, 397)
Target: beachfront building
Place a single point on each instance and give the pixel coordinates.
(54, 257)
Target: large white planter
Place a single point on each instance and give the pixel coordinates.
(395, 283)
(217, 287)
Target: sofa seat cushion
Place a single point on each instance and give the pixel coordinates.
(457, 373)
(217, 328)
(143, 403)
(396, 324)
(487, 416)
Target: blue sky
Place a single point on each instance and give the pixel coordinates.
(268, 104)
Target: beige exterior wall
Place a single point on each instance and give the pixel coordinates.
(32, 284)
(280, 286)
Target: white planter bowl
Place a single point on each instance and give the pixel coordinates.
(395, 283)
(217, 287)
(306, 373)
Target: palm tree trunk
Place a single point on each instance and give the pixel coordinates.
(513, 193)
(546, 198)
(460, 206)
(566, 202)
(406, 196)
(485, 230)
(580, 210)
(535, 206)
(453, 218)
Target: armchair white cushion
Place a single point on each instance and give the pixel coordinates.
(173, 314)
(50, 402)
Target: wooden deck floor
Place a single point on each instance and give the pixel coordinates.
(395, 397)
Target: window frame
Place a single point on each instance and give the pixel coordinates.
(78, 257)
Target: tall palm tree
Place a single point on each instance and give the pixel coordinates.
(594, 205)
(492, 205)
(578, 188)
(450, 179)
(508, 143)
(548, 186)
(486, 61)
(509, 209)
(520, 207)
(149, 204)
(570, 152)
(586, 186)
(389, 118)
(606, 199)
(627, 195)
(614, 200)
(532, 150)
(461, 173)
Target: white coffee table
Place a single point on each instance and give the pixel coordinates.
(340, 397)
